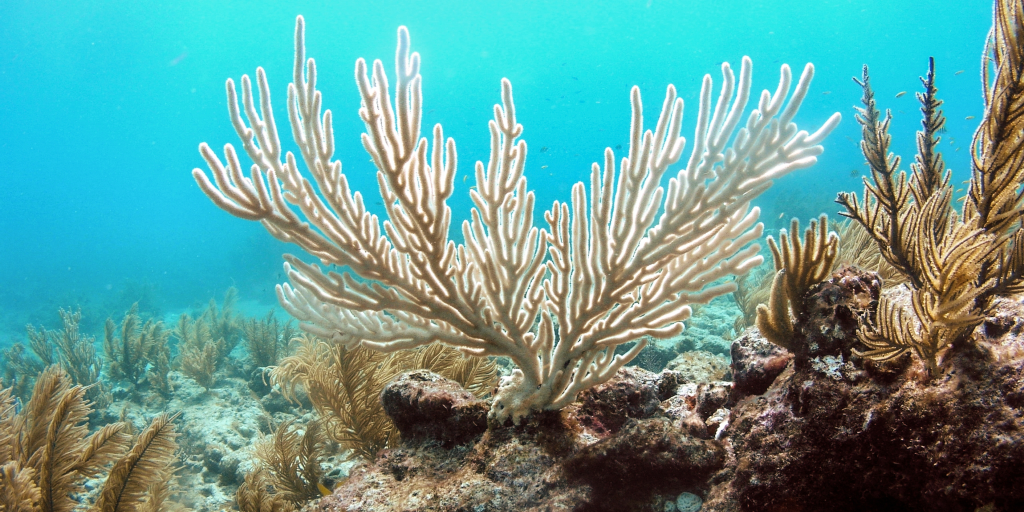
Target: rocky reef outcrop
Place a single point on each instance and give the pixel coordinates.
(625, 445)
(833, 435)
(823, 431)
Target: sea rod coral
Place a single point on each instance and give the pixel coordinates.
(620, 262)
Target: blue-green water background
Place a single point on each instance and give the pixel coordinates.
(103, 104)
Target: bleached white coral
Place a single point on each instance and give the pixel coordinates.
(618, 263)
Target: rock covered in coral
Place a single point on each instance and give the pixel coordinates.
(426, 406)
(586, 457)
(633, 393)
(832, 310)
(695, 408)
(756, 362)
(828, 436)
(649, 454)
(700, 366)
(827, 329)
(824, 435)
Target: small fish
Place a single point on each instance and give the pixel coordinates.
(957, 149)
(827, 92)
(464, 176)
(574, 78)
(900, 94)
(958, 72)
(854, 173)
(543, 149)
(969, 118)
(323, 489)
(958, 190)
(178, 59)
(618, 146)
(543, 167)
(782, 214)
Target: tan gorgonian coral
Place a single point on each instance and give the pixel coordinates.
(224, 324)
(955, 264)
(858, 248)
(798, 266)
(290, 460)
(995, 201)
(478, 375)
(619, 263)
(47, 454)
(344, 386)
(139, 479)
(206, 341)
(135, 348)
(19, 368)
(944, 308)
(256, 494)
(266, 339)
(199, 351)
(752, 289)
(73, 351)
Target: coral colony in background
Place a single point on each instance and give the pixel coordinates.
(876, 364)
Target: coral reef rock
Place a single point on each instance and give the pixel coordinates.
(700, 366)
(426, 406)
(756, 362)
(833, 308)
(832, 436)
(617, 448)
(827, 431)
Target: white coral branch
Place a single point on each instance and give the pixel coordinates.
(621, 262)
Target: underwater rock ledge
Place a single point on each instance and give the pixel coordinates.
(828, 435)
(585, 457)
(840, 437)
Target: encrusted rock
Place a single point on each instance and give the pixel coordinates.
(717, 422)
(693, 404)
(632, 393)
(755, 364)
(700, 366)
(832, 310)
(712, 396)
(838, 440)
(259, 381)
(550, 461)
(650, 454)
(428, 407)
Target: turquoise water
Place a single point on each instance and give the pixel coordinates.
(103, 104)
